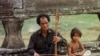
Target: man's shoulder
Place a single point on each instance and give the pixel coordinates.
(39, 32)
(35, 33)
(51, 30)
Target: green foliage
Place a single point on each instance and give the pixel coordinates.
(87, 23)
(1, 29)
(82, 21)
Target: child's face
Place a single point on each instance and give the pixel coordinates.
(76, 37)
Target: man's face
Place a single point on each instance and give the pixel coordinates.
(44, 24)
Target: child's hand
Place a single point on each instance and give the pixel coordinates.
(72, 55)
(75, 54)
(78, 54)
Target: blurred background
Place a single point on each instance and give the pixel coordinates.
(89, 24)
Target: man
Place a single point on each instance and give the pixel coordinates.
(42, 41)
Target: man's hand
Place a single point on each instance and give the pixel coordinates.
(56, 39)
(36, 54)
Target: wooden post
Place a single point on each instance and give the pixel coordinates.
(56, 31)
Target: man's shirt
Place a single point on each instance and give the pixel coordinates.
(40, 44)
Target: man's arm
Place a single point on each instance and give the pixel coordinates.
(31, 49)
(31, 46)
(59, 38)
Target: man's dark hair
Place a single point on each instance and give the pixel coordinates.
(75, 30)
(42, 15)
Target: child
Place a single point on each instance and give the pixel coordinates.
(75, 44)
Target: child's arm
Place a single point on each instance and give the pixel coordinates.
(83, 49)
(81, 52)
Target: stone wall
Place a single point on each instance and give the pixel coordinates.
(30, 8)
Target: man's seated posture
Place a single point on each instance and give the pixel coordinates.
(42, 41)
(75, 44)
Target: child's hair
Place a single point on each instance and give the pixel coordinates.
(75, 30)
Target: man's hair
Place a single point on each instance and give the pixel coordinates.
(42, 15)
(75, 30)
